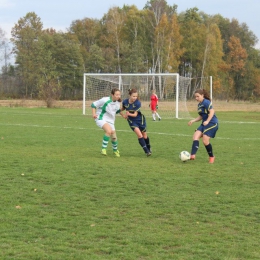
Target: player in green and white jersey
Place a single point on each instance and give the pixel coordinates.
(104, 112)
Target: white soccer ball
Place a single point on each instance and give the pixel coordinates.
(184, 156)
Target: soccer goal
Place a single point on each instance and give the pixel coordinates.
(171, 90)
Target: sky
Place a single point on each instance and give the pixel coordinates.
(60, 14)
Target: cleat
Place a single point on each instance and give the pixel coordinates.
(104, 152)
(148, 154)
(154, 120)
(160, 118)
(192, 157)
(116, 153)
(211, 159)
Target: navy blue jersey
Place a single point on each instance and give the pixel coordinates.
(131, 108)
(203, 110)
(138, 121)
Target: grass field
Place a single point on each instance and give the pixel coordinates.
(60, 199)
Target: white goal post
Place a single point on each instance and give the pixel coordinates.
(171, 89)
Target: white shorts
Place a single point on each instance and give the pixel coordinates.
(100, 124)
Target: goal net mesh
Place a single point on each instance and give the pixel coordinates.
(97, 86)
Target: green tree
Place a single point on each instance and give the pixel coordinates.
(161, 13)
(49, 64)
(95, 61)
(174, 50)
(111, 37)
(136, 58)
(213, 56)
(160, 44)
(87, 32)
(251, 87)
(48, 83)
(25, 36)
(194, 32)
(160, 7)
(232, 27)
(67, 54)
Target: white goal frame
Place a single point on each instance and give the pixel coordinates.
(120, 75)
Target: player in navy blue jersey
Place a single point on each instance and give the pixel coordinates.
(208, 127)
(136, 119)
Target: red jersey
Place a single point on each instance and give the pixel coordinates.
(154, 101)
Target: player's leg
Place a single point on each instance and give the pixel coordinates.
(195, 144)
(142, 128)
(208, 146)
(153, 111)
(158, 115)
(147, 140)
(141, 140)
(114, 144)
(154, 117)
(209, 132)
(108, 131)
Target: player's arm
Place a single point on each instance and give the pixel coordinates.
(94, 115)
(132, 114)
(95, 104)
(121, 113)
(195, 120)
(124, 115)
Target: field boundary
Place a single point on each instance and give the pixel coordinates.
(218, 105)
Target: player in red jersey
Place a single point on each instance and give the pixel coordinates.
(154, 105)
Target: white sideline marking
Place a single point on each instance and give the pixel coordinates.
(128, 131)
(237, 122)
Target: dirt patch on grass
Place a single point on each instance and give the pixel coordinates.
(192, 105)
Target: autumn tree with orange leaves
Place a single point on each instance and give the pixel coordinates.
(234, 68)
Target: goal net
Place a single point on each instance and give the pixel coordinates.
(171, 90)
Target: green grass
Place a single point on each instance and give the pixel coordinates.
(60, 199)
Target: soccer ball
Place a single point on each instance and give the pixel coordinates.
(184, 156)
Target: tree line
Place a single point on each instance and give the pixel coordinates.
(49, 65)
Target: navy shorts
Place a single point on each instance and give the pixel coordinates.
(209, 130)
(140, 123)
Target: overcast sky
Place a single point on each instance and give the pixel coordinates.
(60, 14)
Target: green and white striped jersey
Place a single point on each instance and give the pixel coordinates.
(106, 109)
